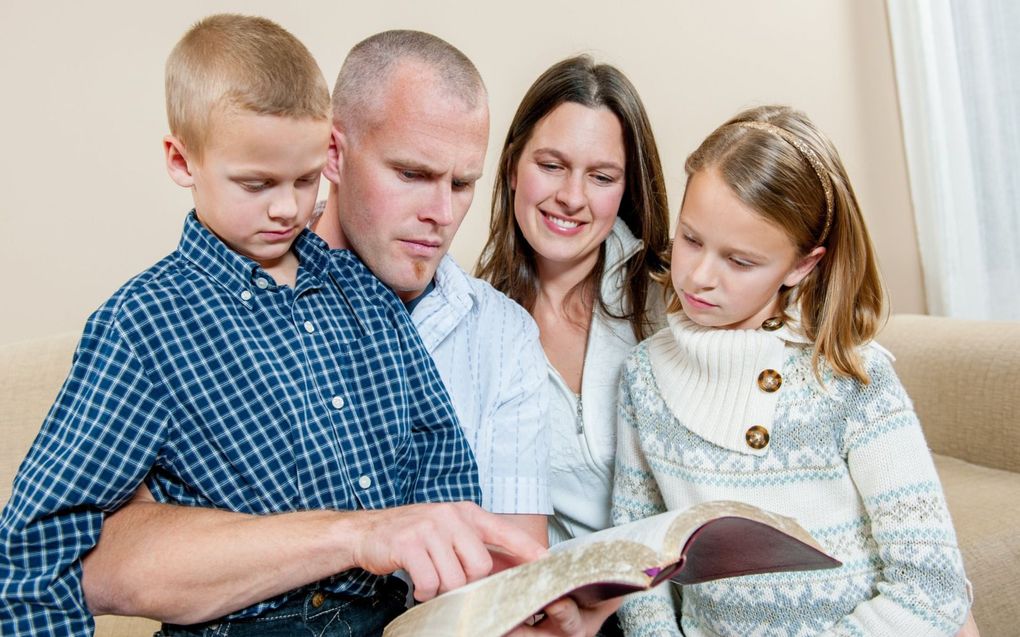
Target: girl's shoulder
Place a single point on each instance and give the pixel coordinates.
(883, 386)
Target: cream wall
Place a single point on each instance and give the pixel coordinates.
(86, 201)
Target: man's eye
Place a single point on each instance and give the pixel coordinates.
(463, 185)
(410, 175)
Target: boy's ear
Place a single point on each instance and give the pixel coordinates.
(335, 157)
(804, 266)
(177, 162)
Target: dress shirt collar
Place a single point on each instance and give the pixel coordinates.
(238, 273)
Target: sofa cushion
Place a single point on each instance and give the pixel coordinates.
(983, 503)
(964, 379)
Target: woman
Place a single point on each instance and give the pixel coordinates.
(579, 222)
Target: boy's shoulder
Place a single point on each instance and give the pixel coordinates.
(157, 282)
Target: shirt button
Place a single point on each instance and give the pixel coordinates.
(246, 295)
(757, 437)
(772, 324)
(309, 327)
(364, 482)
(337, 402)
(261, 283)
(770, 380)
(317, 599)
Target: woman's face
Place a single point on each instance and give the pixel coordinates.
(568, 184)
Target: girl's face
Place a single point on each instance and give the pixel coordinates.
(728, 262)
(568, 184)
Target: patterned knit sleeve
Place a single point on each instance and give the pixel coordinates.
(923, 589)
(636, 495)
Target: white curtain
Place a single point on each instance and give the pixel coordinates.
(958, 73)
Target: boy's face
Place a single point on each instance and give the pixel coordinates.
(256, 184)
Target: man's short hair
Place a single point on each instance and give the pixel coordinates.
(365, 72)
(233, 62)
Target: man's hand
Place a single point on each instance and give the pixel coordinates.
(564, 618)
(441, 546)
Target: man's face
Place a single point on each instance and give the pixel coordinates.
(407, 177)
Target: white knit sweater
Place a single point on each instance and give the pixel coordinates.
(847, 460)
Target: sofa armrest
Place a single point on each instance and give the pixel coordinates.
(964, 379)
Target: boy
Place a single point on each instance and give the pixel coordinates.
(251, 370)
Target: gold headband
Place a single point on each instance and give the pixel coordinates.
(811, 157)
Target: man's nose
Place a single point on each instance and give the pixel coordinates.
(440, 206)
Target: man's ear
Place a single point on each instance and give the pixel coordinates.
(338, 141)
(177, 165)
(804, 266)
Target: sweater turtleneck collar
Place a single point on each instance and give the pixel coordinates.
(709, 377)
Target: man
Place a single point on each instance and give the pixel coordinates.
(408, 144)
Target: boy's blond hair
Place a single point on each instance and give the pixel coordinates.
(245, 63)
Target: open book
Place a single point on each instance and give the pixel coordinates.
(706, 542)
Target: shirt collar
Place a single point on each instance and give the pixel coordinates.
(235, 272)
(453, 283)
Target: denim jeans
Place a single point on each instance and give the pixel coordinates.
(315, 614)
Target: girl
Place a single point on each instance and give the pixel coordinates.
(766, 388)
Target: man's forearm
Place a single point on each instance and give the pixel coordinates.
(186, 565)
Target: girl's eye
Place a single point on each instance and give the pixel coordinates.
(740, 263)
(691, 240)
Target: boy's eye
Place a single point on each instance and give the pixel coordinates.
(254, 186)
(741, 263)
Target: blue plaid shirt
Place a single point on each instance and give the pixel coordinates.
(215, 387)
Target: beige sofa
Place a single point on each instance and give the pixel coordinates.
(964, 378)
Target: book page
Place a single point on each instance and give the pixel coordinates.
(496, 604)
(650, 531)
